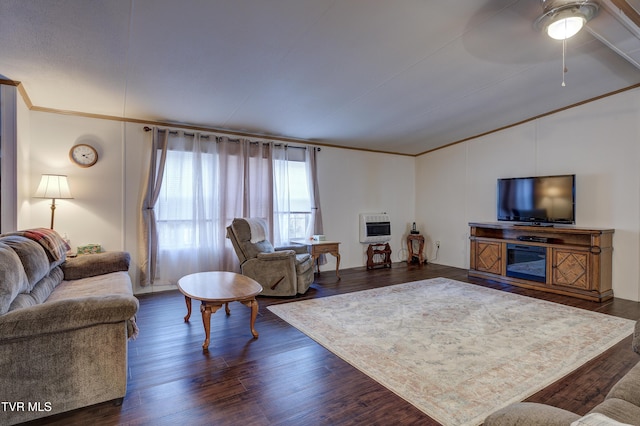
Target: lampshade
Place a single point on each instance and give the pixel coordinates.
(54, 187)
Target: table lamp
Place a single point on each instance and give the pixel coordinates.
(54, 187)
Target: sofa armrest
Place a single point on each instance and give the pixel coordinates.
(531, 414)
(277, 255)
(95, 264)
(66, 315)
(628, 388)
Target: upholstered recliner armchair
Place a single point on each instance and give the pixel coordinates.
(282, 271)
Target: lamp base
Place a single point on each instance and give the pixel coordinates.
(53, 210)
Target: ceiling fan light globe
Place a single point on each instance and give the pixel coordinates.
(565, 27)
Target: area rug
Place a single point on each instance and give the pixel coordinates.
(456, 351)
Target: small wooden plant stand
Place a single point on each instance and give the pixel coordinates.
(379, 255)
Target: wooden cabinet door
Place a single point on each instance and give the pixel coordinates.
(489, 257)
(571, 268)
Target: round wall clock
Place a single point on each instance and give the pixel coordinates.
(83, 155)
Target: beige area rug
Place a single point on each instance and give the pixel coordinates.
(456, 351)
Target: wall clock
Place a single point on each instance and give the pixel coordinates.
(83, 155)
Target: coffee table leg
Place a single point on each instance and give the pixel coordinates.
(207, 310)
(254, 315)
(187, 300)
(253, 304)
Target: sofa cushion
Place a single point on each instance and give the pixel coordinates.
(628, 388)
(619, 410)
(597, 419)
(114, 283)
(531, 414)
(33, 257)
(13, 279)
(40, 292)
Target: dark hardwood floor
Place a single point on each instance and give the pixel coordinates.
(285, 378)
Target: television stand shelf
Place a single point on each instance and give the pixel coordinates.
(573, 261)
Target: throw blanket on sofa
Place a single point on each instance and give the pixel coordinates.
(132, 328)
(49, 239)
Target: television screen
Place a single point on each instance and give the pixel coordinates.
(541, 199)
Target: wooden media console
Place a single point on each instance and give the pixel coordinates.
(560, 259)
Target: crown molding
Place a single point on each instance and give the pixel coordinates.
(546, 114)
(27, 101)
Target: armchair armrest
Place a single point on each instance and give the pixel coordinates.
(95, 264)
(298, 248)
(277, 255)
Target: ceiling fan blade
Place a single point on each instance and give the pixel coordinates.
(503, 32)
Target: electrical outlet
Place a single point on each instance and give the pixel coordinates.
(437, 244)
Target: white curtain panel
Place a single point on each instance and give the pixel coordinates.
(185, 211)
(281, 197)
(198, 184)
(206, 184)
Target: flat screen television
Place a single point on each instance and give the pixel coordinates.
(538, 200)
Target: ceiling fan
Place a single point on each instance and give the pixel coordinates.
(562, 19)
(614, 23)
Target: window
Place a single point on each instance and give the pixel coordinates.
(177, 211)
(295, 212)
(180, 218)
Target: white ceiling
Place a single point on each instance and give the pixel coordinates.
(402, 76)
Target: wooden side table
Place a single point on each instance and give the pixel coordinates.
(316, 248)
(415, 255)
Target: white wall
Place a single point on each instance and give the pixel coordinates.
(353, 182)
(95, 214)
(599, 142)
(23, 162)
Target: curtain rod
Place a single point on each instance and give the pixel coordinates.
(175, 132)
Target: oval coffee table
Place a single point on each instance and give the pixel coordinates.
(214, 289)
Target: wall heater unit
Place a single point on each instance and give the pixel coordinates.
(375, 228)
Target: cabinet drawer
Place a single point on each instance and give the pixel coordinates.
(325, 248)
